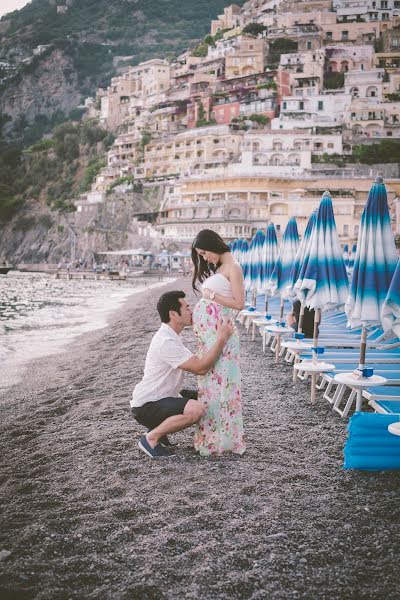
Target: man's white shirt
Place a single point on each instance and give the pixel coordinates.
(162, 377)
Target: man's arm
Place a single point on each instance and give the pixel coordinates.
(200, 366)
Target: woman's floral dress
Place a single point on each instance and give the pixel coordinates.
(221, 428)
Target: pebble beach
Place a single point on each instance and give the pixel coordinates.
(85, 515)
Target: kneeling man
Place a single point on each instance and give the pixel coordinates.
(156, 401)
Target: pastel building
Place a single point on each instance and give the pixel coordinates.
(139, 87)
(324, 110)
(246, 58)
(305, 70)
(342, 58)
(236, 205)
(228, 20)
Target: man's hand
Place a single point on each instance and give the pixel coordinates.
(290, 319)
(225, 328)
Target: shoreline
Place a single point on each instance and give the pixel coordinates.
(95, 322)
(87, 515)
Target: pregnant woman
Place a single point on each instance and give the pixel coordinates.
(221, 279)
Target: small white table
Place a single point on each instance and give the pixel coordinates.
(394, 428)
(296, 346)
(248, 316)
(278, 331)
(314, 369)
(360, 384)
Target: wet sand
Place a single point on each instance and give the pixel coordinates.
(85, 515)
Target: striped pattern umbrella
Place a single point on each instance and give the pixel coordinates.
(280, 277)
(346, 257)
(256, 254)
(322, 282)
(302, 253)
(375, 261)
(269, 259)
(352, 258)
(391, 307)
(374, 265)
(244, 260)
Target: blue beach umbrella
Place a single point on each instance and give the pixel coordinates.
(243, 257)
(269, 258)
(256, 253)
(302, 254)
(352, 258)
(346, 257)
(374, 266)
(391, 307)
(322, 282)
(280, 277)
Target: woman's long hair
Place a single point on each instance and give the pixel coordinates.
(209, 240)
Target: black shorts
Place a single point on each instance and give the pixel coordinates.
(152, 414)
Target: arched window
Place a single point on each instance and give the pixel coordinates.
(372, 91)
(355, 92)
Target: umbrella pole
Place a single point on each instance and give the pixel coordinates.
(301, 318)
(317, 320)
(266, 303)
(281, 310)
(363, 348)
(278, 337)
(361, 365)
(254, 299)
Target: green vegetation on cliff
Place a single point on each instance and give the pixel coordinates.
(53, 170)
(94, 32)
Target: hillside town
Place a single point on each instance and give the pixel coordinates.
(258, 120)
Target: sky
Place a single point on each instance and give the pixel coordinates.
(7, 6)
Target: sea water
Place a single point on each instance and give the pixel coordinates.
(40, 315)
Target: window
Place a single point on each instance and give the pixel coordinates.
(329, 35)
(345, 230)
(301, 105)
(345, 35)
(309, 45)
(389, 133)
(330, 145)
(356, 229)
(320, 105)
(284, 105)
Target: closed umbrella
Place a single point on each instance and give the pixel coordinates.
(374, 266)
(322, 283)
(302, 254)
(269, 259)
(256, 254)
(244, 260)
(352, 258)
(391, 306)
(280, 278)
(346, 257)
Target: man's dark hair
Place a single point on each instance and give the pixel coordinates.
(169, 301)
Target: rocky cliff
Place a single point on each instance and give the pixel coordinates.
(50, 85)
(37, 235)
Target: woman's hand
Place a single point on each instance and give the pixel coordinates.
(207, 294)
